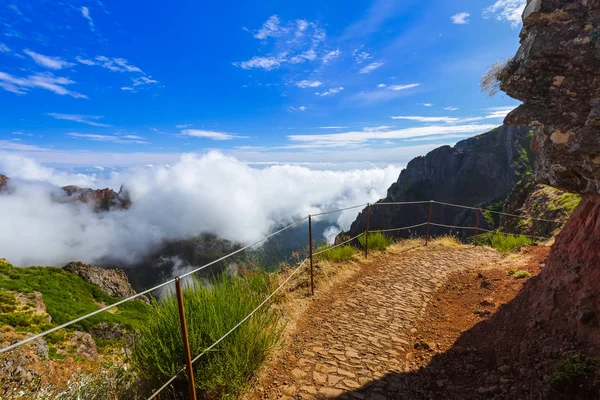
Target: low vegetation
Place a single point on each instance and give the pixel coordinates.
(519, 274)
(212, 308)
(502, 242)
(66, 297)
(377, 241)
(335, 254)
(573, 376)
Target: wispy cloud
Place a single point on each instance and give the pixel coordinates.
(47, 61)
(84, 119)
(300, 108)
(10, 145)
(47, 81)
(371, 67)
(506, 10)
(295, 42)
(404, 87)
(183, 126)
(499, 112)
(427, 105)
(332, 55)
(112, 64)
(308, 84)
(199, 133)
(332, 127)
(359, 137)
(448, 120)
(491, 113)
(450, 108)
(85, 12)
(461, 18)
(128, 89)
(361, 56)
(4, 48)
(121, 139)
(144, 80)
(330, 92)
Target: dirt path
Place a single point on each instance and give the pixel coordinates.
(361, 330)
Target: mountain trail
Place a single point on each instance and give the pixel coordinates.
(361, 329)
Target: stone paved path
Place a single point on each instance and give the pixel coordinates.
(361, 330)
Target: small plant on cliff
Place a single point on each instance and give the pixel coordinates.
(377, 241)
(337, 254)
(495, 76)
(574, 376)
(519, 274)
(211, 311)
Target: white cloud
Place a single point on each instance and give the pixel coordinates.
(302, 24)
(378, 128)
(47, 81)
(128, 89)
(332, 55)
(112, 64)
(308, 84)
(461, 18)
(499, 112)
(302, 108)
(271, 28)
(125, 139)
(12, 146)
(371, 67)
(47, 61)
(37, 230)
(308, 55)
(183, 126)
(199, 133)
(330, 92)
(448, 120)
(332, 127)
(358, 137)
(267, 63)
(506, 10)
(143, 80)
(84, 119)
(450, 108)
(361, 56)
(381, 85)
(4, 48)
(85, 12)
(403, 87)
(427, 105)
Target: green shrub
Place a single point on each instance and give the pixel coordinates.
(337, 254)
(571, 374)
(521, 274)
(211, 311)
(502, 242)
(377, 241)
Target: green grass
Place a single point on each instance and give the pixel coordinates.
(518, 274)
(377, 241)
(211, 311)
(66, 297)
(337, 254)
(492, 218)
(502, 242)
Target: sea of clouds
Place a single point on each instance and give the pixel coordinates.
(208, 193)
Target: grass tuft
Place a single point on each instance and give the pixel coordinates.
(502, 242)
(337, 254)
(211, 311)
(572, 374)
(377, 241)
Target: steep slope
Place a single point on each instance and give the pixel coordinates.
(475, 172)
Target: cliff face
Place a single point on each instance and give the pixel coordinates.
(476, 172)
(555, 74)
(102, 199)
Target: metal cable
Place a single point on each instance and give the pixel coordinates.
(402, 202)
(163, 387)
(337, 245)
(66, 324)
(340, 210)
(399, 229)
(499, 212)
(453, 226)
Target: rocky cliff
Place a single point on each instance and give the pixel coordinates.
(3, 180)
(555, 75)
(475, 172)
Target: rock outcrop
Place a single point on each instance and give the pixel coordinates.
(475, 172)
(550, 206)
(103, 199)
(3, 181)
(111, 281)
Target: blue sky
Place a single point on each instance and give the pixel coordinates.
(99, 83)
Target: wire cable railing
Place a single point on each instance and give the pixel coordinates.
(177, 280)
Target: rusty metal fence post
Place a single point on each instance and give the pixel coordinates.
(186, 344)
(429, 221)
(310, 247)
(367, 232)
(476, 224)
